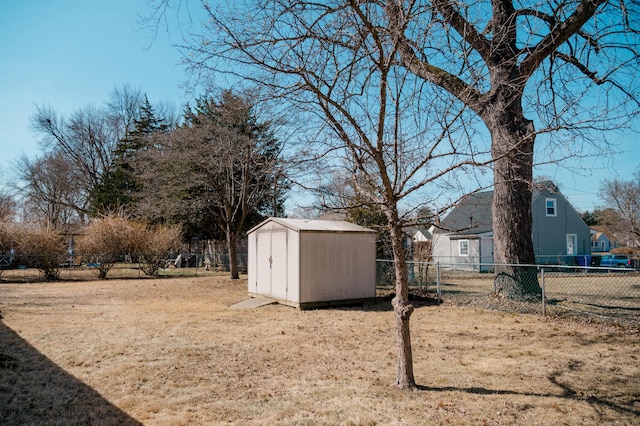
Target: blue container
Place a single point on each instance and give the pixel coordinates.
(583, 260)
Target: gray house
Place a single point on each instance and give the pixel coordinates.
(465, 236)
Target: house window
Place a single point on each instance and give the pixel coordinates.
(463, 247)
(550, 204)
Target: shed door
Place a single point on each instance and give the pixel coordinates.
(263, 265)
(279, 282)
(271, 268)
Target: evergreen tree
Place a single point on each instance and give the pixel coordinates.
(218, 174)
(120, 184)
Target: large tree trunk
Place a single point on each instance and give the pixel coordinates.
(232, 248)
(512, 148)
(402, 309)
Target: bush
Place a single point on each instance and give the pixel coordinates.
(40, 248)
(422, 255)
(154, 244)
(8, 237)
(8, 244)
(106, 240)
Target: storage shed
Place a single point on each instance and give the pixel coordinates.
(311, 263)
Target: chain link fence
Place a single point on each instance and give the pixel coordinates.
(611, 294)
(566, 290)
(36, 268)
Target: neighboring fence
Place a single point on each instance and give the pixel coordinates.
(485, 264)
(579, 291)
(27, 268)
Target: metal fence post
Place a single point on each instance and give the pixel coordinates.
(438, 289)
(544, 296)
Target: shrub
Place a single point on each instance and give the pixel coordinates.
(422, 255)
(40, 248)
(108, 239)
(8, 244)
(104, 241)
(8, 237)
(154, 244)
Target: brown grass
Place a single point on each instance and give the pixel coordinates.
(173, 351)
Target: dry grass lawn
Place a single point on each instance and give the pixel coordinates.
(173, 352)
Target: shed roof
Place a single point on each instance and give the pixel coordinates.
(314, 225)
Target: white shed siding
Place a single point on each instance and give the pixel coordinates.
(293, 247)
(301, 262)
(336, 266)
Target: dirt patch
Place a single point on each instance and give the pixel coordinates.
(173, 351)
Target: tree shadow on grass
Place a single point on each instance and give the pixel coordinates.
(625, 405)
(34, 390)
(382, 301)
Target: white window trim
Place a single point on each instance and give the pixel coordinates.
(555, 207)
(460, 253)
(574, 237)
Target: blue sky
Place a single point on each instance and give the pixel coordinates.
(71, 53)
(67, 54)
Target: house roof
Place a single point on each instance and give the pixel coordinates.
(423, 231)
(602, 230)
(315, 225)
(472, 215)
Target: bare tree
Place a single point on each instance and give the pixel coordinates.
(87, 139)
(335, 68)
(343, 61)
(51, 189)
(524, 69)
(123, 108)
(566, 70)
(8, 207)
(624, 197)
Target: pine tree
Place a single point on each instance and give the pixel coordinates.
(120, 184)
(219, 171)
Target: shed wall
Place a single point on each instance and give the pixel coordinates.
(337, 266)
(310, 267)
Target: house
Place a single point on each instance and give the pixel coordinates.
(602, 239)
(309, 263)
(421, 235)
(465, 236)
